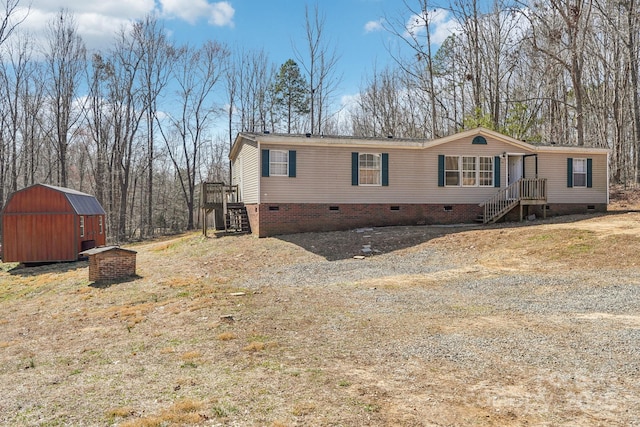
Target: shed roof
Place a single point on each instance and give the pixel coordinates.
(82, 203)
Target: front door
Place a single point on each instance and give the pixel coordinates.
(514, 173)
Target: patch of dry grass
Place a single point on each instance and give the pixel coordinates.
(182, 412)
(255, 346)
(226, 336)
(155, 352)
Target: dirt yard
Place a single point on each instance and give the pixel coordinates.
(513, 324)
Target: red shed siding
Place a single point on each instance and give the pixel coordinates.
(38, 199)
(38, 238)
(40, 225)
(91, 231)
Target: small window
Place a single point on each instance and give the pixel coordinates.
(469, 171)
(579, 172)
(486, 171)
(369, 169)
(452, 171)
(278, 163)
(81, 226)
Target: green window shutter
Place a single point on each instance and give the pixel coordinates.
(265, 163)
(292, 163)
(570, 172)
(496, 171)
(589, 173)
(385, 169)
(440, 170)
(354, 168)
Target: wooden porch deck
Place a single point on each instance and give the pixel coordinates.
(524, 192)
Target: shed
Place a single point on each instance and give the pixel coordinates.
(45, 223)
(110, 263)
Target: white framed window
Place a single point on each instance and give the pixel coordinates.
(452, 171)
(81, 226)
(278, 163)
(485, 172)
(369, 169)
(468, 171)
(579, 172)
(100, 226)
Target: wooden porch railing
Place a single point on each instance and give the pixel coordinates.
(523, 191)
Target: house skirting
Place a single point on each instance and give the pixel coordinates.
(558, 209)
(272, 219)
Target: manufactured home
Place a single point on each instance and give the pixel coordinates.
(303, 183)
(44, 223)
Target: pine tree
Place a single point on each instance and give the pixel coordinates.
(291, 94)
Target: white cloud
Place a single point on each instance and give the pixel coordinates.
(222, 14)
(124, 9)
(350, 101)
(99, 20)
(372, 26)
(218, 13)
(441, 23)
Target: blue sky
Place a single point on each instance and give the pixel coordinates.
(353, 27)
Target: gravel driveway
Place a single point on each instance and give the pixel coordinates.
(460, 328)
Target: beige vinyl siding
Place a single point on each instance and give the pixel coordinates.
(464, 147)
(553, 166)
(246, 172)
(323, 175)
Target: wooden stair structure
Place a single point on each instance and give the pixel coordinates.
(524, 192)
(222, 199)
(236, 218)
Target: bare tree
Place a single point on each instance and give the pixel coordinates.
(14, 74)
(253, 77)
(320, 64)
(10, 18)
(232, 93)
(156, 53)
(196, 74)
(468, 15)
(99, 124)
(126, 103)
(560, 31)
(65, 58)
(415, 33)
(32, 106)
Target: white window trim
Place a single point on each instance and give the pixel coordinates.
(360, 168)
(272, 163)
(100, 224)
(477, 172)
(584, 161)
(459, 171)
(81, 226)
(462, 171)
(492, 171)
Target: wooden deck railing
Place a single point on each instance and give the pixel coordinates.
(533, 189)
(502, 202)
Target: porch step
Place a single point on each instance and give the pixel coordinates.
(237, 219)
